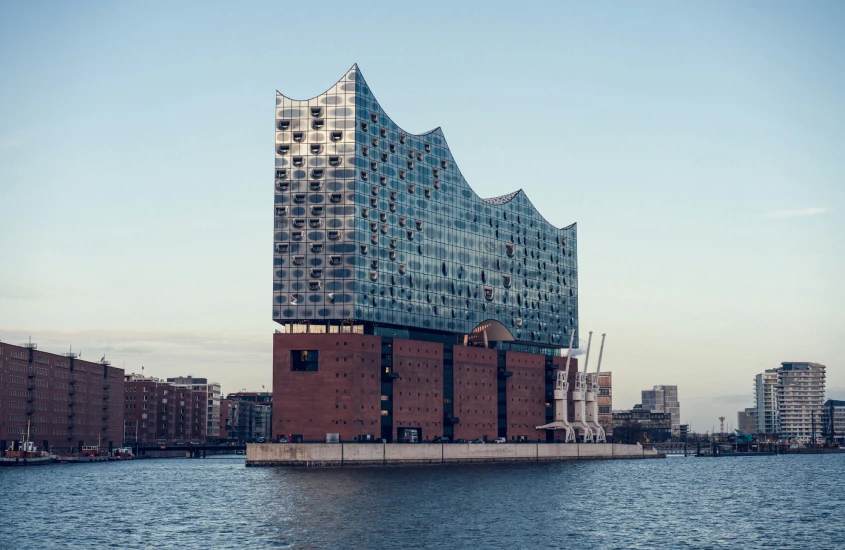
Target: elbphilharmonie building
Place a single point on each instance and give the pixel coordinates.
(380, 241)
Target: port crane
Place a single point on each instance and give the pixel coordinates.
(579, 395)
(561, 392)
(592, 406)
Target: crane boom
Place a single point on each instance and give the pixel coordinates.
(601, 351)
(587, 359)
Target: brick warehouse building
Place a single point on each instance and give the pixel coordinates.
(161, 412)
(67, 402)
(411, 308)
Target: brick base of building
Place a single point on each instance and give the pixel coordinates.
(357, 387)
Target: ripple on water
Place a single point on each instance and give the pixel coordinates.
(764, 502)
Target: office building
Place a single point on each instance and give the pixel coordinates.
(766, 404)
(64, 401)
(800, 400)
(655, 426)
(252, 415)
(410, 307)
(833, 421)
(747, 420)
(212, 390)
(664, 399)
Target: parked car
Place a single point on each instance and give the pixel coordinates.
(500, 440)
(478, 441)
(460, 440)
(260, 440)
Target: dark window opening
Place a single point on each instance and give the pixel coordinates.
(304, 360)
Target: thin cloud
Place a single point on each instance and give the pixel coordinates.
(796, 213)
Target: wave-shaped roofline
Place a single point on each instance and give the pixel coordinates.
(492, 201)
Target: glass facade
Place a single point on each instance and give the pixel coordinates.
(375, 225)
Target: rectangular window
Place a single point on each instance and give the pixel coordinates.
(303, 360)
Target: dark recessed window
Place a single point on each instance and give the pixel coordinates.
(334, 161)
(304, 360)
(317, 123)
(283, 149)
(315, 185)
(365, 212)
(427, 147)
(392, 206)
(437, 184)
(336, 197)
(316, 273)
(316, 210)
(333, 235)
(364, 126)
(336, 136)
(299, 260)
(443, 163)
(281, 174)
(383, 132)
(315, 223)
(281, 210)
(298, 161)
(316, 112)
(374, 117)
(298, 136)
(427, 193)
(299, 198)
(283, 125)
(335, 260)
(299, 223)
(282, 248)
(402, 138)
(315, 148)
(392, 147)
(364, 249)
(316, 247)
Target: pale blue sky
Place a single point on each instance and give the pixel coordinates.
(699, 147)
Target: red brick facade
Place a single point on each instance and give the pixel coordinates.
(67, 401)
(342, 396)
(475, 397)
(159, 412)
(418, 392)
(526, 394)
(359, 383)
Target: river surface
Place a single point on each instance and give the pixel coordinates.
(793, 501)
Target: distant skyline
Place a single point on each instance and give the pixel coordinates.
(698, 147)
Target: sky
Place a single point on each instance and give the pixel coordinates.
(699, 147)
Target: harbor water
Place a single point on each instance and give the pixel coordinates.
(791, 501)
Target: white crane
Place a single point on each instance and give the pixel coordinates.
(579, 394)
(592, 417)
(561, 391)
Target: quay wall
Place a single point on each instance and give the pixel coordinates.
(373, 454)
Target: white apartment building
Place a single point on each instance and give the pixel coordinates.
(800, 400)
(766, 403)
(664, 399)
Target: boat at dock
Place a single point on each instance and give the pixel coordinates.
(89, 453)
(27, 454)
(122, 453)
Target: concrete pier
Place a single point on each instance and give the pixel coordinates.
(384, 454)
